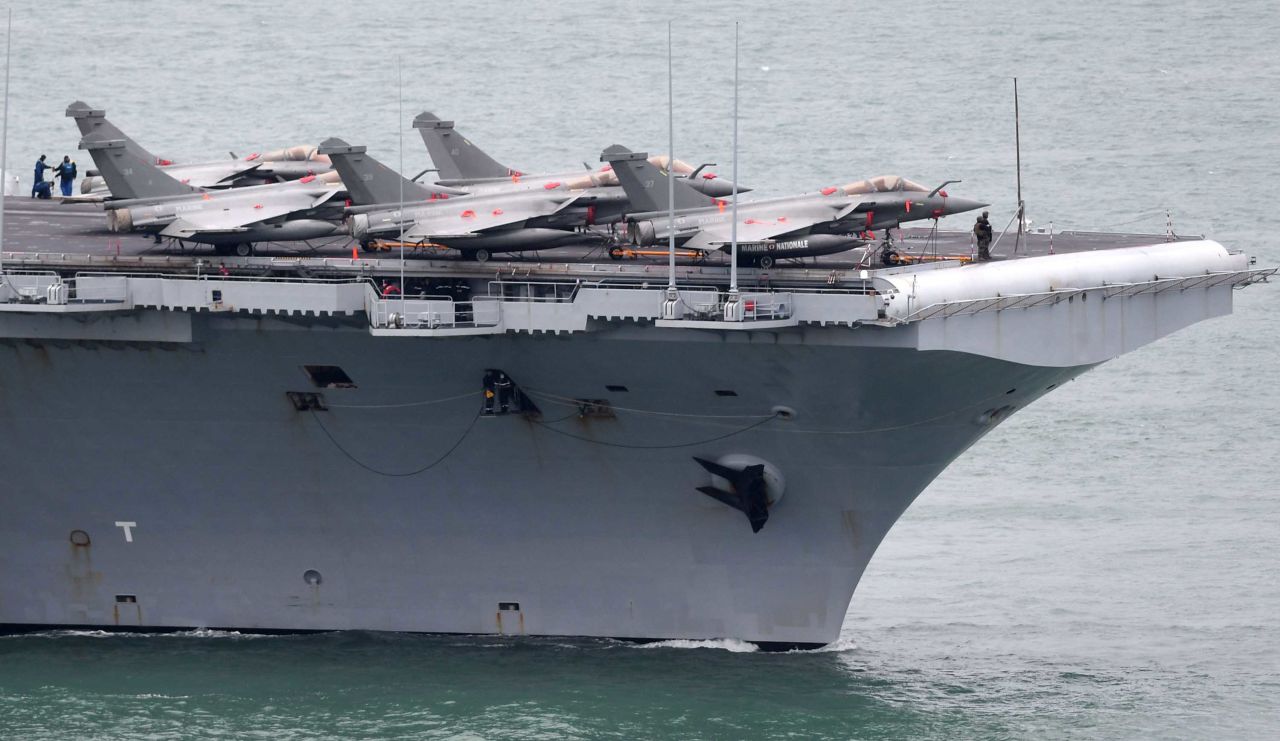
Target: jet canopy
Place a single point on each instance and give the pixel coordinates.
(883, 184)
(299, 153)
(680, 167)
(604, 176)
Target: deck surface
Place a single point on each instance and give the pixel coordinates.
(51, 233)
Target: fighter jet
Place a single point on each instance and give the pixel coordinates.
(462, 164)
(820, 223)
(148, 200)
(477, 225)
(254, 169)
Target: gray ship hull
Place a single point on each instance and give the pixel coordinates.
(591, 526)
(179, 451)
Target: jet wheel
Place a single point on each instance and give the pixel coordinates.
(244, 249)
(480, 255)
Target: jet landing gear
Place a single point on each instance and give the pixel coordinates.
(240, 249)
(764, 262)
(480, 255)
(888, 255)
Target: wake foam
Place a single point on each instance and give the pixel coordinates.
(839, 646)
(733, 645)
(203, 633)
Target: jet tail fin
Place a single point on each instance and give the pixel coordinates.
(129, 175)
(94, 121)
(453, 154)
(368, 180)
(646, 185)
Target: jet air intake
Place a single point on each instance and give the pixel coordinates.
(120, 221)
(293, 229)
(358, 226)
(642, 233)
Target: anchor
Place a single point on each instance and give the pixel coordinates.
(749, 492)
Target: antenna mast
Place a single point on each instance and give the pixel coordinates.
(4, 135)
(671, 171)
(671, 302)
(400, 137)
(731, 307)
(1017, 148)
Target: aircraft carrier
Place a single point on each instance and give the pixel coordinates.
(544, 444)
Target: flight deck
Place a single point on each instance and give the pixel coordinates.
(49, 235)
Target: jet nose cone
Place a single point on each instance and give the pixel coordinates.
(954, 205)
(716, 187)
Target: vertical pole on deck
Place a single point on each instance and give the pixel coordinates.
(733, 233)
(671, 171)
(4, 134)
(1017, 148)
(400, 138)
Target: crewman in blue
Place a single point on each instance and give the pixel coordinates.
(41, 166)
(66, 172)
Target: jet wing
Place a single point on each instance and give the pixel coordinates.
(461, 218)
(236, 217)
(863, 207)
(210, 174)
(749, 230)
(184, 229)
(98, 197)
